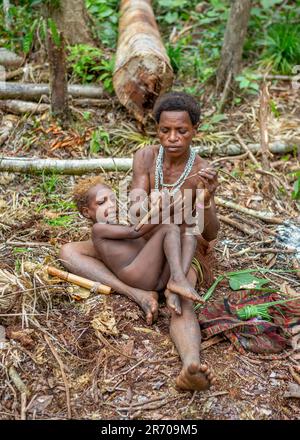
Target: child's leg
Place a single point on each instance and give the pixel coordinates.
(188, 248)
(82, 259)
(146, 269)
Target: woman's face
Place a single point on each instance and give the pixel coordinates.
(101, 205)
(175, 132)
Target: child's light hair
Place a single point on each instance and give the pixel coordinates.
(82, 188)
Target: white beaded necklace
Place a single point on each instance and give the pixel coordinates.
(159, 175)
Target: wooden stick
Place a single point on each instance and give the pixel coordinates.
(263, 125)
(234, 224)
(265, 216)
(247, 150)
(295, 375)
(79, 281)
(63, 374)
(148, 215)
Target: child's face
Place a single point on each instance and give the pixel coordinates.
(101, 205)
(175, 132)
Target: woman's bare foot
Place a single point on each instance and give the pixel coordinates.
(148, 301)
(195, 377)
(184, 289)
(173, 301)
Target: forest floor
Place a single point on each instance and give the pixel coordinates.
(96, 357)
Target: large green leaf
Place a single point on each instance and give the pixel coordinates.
(246, 281)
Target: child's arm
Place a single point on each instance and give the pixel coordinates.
(118, 232)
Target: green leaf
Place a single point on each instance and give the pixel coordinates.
(246, 281)
(269, 3)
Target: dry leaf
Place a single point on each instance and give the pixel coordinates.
(104, 322)
(287, 289)
(21, 335)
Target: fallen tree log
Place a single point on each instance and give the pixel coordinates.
(9, 59)
(20, 107)
(60, 166)
(142, 69)
(276, 147)
(33, 92)
(84, 166)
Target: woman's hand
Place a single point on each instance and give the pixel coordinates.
(209, 178)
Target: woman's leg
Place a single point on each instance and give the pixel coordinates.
(185, 333)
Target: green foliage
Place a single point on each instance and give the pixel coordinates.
(175, 54)
(296, 187)
(248, 81)
(83, 60)
(105, 14)
(62, 221)
(54, 32)
(100, 141)
(89, 65)
(28, 38)
(282, 47)
(208, 125)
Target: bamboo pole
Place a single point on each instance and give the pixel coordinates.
(79, 281)
(142, 70)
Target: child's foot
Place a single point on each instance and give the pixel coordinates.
(147, 300)
(173, 301)
(184, 288)
(195, 377)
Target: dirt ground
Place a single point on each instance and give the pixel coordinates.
(128, 371)
(95, 358)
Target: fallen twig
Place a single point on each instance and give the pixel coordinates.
(242, 143)
(235, 224)
(265, 216)
(64, 377)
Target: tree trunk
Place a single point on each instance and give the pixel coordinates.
(33, 92)
(142, 70)
(232, 49)
(58, 78)
(71, 18)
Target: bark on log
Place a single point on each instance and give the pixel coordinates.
(77, 167)
(234, 38)
(9, 59)
(142, 70)
(20, 107)
(58, 78)
(33, 92)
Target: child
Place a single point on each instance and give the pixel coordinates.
(148, 265)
